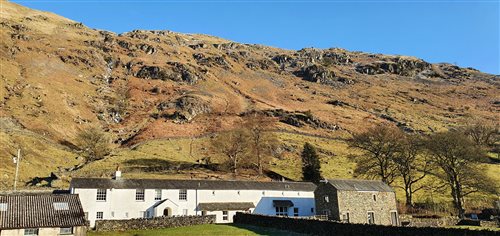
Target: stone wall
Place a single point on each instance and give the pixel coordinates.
(408, 220)
(322, 227)
(153, 223)
(326, 207)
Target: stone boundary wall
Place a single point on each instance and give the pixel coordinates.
(408, 220)
(153, 223)
(321, 227)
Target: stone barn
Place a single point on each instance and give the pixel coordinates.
(357, 201)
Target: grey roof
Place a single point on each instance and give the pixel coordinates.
(360, 185)
(39, 211)
(220, 206)
(189, 184)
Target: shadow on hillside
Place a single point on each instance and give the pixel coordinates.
(160, 165)
(267, 231)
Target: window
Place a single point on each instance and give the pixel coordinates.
(263, 193)
(66, 231)
(86, 215)
(295, 211)
(157, 194)
(326, 212)
(204, 213)
(100, 215)
(3, 206)
(213, 193)
(312, 209)
(126, 214)
(101, 195)
(183, 194)
(371, 217)
(31, 232)
(59, 206)
(112, 214)
(238, 192)
(345, 217)
(139, 194)
(142, 214)
(224, 215)
(185, 212)
(374, 197)
(282, 211)
(326, 198)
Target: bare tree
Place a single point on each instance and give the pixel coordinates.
(93, 143)
(233, 145)
(411, 165)
(262, 141)
(482, 133)
(379, 145)
(457, 159)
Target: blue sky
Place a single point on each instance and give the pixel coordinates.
(465, 33)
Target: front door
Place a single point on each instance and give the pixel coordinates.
(394, 218)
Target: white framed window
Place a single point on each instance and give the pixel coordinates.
(345, 217)
(295, 211)
(30, 232)
(66, 231)
(185, 212)
(371, 218)
(183, 194)
(327, 199)
(282, 211)
(101, 195)
(224, 215)
(139, 194)
(99, 215)
(157, 194)
(394, 218)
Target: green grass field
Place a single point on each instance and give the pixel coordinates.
(216, 229)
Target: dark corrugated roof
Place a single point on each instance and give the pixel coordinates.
(189, 184)
(360, 185)
(37, 211)
(223, 206)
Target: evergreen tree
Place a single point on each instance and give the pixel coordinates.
(310, 164)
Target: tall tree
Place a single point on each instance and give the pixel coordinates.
(482, 133)
(457, 158)
(411, 165)
(93, 143)
(379, 145)
(310, 164)
(233, 145)
(262, 141)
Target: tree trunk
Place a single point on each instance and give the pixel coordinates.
(408, 193)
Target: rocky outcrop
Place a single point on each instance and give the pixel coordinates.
(320, 74)
(398, 65)
(173, 71)
(299, 119)
(184, 108)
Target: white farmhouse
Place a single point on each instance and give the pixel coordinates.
(145, 198)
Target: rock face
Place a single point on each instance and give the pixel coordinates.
(173, 71)
(184, 108)
(320, 74)
(398, 65)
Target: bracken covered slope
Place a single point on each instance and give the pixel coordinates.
(59, 76)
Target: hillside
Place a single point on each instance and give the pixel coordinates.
(161, 94)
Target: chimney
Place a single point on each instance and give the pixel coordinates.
(118, 173)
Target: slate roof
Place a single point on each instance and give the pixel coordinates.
(360, 185)
(189, 184)
(223, 206)
(38, 211)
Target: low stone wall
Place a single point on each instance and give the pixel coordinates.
(153, 223)
(322, 227)
(490, 223)
(408, 220)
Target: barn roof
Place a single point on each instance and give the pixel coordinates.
(360, 185)
(19, 211)
(189, 184)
